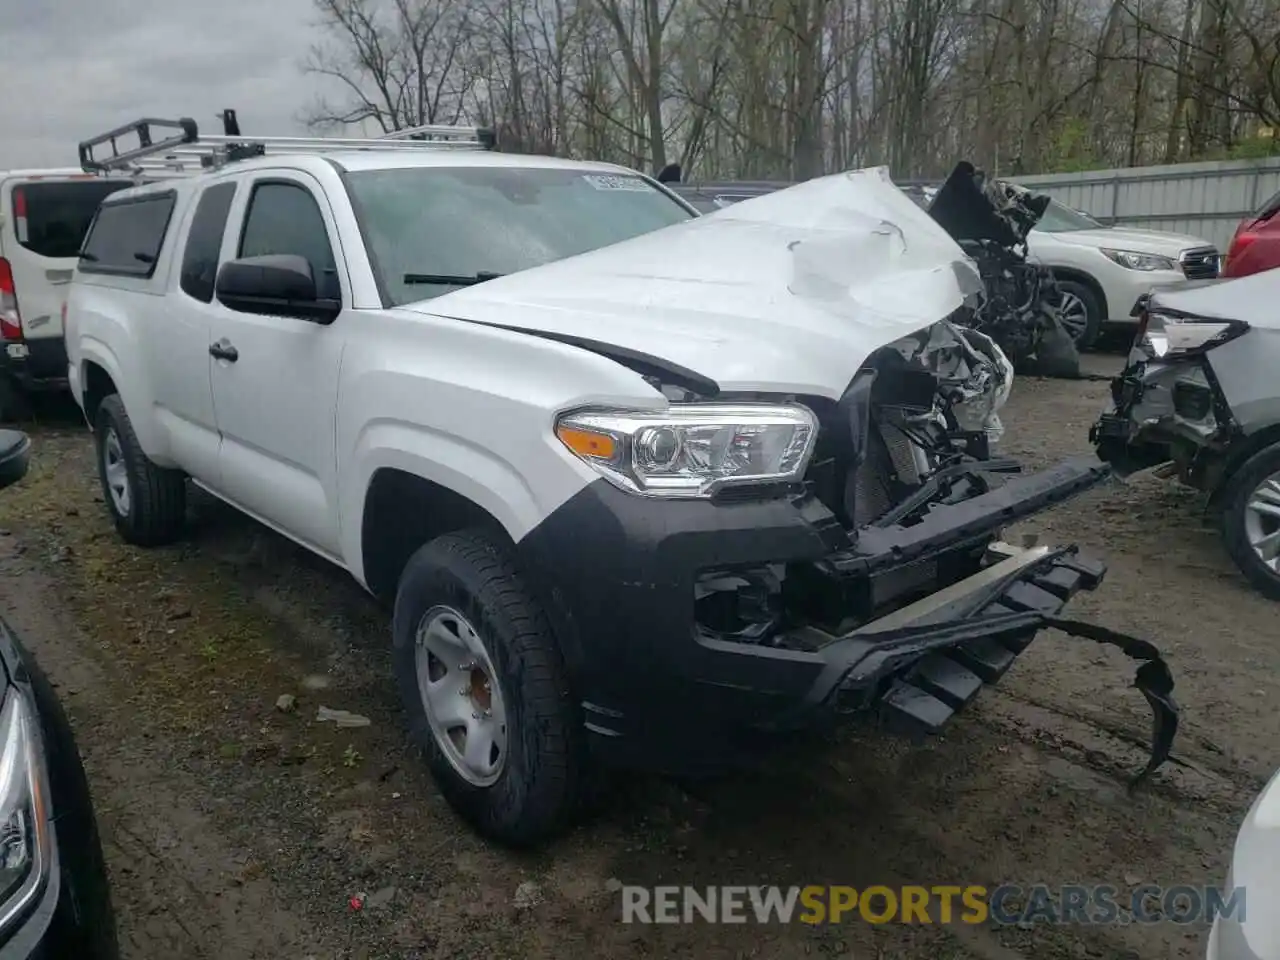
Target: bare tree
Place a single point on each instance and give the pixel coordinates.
(399, 63)
(795, 88)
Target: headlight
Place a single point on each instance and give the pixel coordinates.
(1165, 337)
(25, 838)
(692, 450)
(1139, 261)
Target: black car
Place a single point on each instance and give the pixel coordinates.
(54, 901)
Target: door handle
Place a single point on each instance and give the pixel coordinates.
(223, 350)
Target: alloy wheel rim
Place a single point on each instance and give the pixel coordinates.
(1262, 522)
(1075, 316)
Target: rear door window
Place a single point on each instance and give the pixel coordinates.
(126, 236)
(204, 241)
(50, 218)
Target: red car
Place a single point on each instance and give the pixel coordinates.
(1256, 244)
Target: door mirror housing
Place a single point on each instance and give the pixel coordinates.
(280, 285)
(15, 457)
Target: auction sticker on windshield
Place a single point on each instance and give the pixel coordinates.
(603, 181)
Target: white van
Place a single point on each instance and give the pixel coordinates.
(44, 215)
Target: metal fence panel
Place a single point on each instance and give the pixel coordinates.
(1205, 200)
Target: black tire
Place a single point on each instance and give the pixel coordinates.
(157, 497)
(542, 784)
(1092, 308)
(1235, 500)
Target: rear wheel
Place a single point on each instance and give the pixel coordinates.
(1251, 520)
(147, 503)
(481, 678)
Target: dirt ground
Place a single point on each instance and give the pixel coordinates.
(236, 830)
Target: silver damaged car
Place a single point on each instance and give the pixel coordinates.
(1200, 399)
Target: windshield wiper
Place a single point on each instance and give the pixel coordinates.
(447, 279)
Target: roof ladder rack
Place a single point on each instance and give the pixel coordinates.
(147, 146)
(189, 152)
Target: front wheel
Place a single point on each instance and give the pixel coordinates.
(1080, 312)
(147, 503)
(1251, 520)
(481, 678)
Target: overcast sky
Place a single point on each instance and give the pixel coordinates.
(74, 68)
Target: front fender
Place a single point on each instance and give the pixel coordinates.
(482, 476)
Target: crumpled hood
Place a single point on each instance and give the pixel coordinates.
(784, 293)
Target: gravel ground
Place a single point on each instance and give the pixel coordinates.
(236, 830)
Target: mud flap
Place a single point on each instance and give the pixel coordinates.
(1153, 680)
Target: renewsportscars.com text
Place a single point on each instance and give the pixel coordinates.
(973, 904)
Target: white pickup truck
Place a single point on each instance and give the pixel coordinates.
(642, 486)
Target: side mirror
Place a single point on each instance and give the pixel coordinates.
(15, 457)
(280, 285)
(670, 173)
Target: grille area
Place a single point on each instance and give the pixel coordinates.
(1200, 263)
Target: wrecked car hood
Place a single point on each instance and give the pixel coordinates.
(786, 293)
(1252, 299)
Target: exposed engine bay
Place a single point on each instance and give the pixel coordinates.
(991, 219)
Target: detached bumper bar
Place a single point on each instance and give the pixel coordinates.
(973, 520)
(918, 667)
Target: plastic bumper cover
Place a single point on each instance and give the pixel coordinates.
(659, 692)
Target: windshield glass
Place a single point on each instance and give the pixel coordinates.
(1062, 219)
(475, 222)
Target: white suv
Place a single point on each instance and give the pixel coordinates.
(1103, 271)
(641, 486)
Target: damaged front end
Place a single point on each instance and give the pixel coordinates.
(830, 421)
(991, 220)
(916, 602)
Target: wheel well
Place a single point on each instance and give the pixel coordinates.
(1239, 455)
(401, 513)
(1077, 276)
(98, 385)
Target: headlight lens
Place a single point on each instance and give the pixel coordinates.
(1172, 337)
(692, 450)
(25, 838)
(1131, 260)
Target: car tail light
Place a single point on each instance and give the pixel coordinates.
(1144, 321)
(10, 320)
(20, 214)
(1239, 243)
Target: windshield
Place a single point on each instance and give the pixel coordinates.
(1059, 218)
(454, 223)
